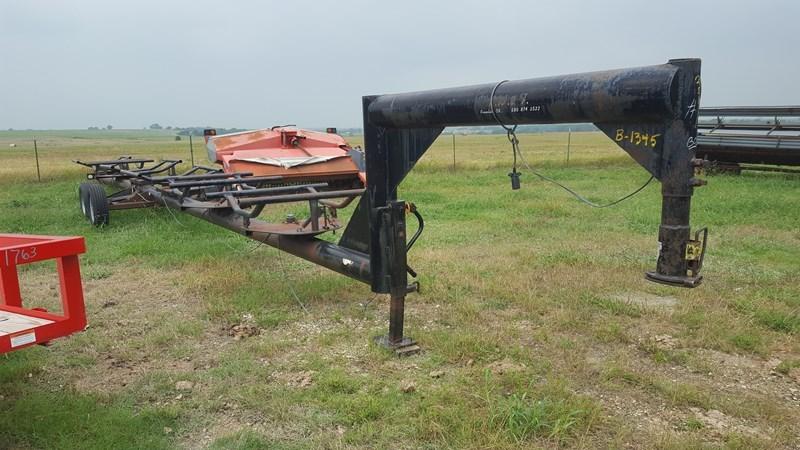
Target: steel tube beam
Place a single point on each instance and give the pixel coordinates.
(348, 262)
(751, 111)
(339, 259)
(114, 162)
(637, 94)
(216, 181)
(271, 190)
(204, 176)
(246, 201)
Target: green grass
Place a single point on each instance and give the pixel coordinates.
(519, 309)
(527, 419)
(248, 440)
(38, 414)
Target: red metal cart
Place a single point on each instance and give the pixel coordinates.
(21, 327)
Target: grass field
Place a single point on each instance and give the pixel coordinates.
(537, 327)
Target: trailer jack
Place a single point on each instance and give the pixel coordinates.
(695, 253)
(650, 112)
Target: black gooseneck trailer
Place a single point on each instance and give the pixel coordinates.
(650, 112)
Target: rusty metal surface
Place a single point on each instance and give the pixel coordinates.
(301, 197)
(128, 199)
(294, 229)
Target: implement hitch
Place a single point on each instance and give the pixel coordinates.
(650, 112)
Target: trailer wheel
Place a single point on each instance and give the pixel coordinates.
(97, 205)
(83, 198)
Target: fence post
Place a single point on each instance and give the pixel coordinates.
(36, 154)
(569, 141)
(191, 149)
(454, 151)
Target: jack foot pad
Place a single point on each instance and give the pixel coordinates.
(406, 347)
(689, 282)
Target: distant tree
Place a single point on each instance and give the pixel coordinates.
(109, 127)
(155, 126)
(177, 138)
(10, 129)
(168, 128)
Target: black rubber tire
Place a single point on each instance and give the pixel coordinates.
(83, 198)
(97, 205)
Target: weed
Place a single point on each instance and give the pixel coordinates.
(526, 418)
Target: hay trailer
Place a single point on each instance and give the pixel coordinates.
(650, 112)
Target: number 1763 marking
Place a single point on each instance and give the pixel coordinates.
(17, 255)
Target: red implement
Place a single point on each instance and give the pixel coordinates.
(21, 327)
(295, 154)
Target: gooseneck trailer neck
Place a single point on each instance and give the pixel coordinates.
(650, 112)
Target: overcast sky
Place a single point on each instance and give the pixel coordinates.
(74, 64)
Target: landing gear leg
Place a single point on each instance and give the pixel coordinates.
(393, 243)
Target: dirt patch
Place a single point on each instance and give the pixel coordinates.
(504, 367)
(140, 321)
(646, 300)
(302, 379)
(408, 387)
(245, 329)
(722, 424)
(794, 374)
(665, 342)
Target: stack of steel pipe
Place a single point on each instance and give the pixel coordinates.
(750, 135)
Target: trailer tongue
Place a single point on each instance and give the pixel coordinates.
(650, 112)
